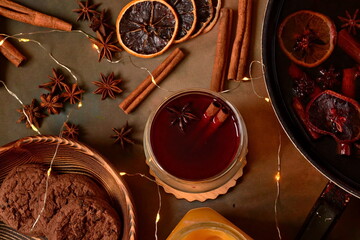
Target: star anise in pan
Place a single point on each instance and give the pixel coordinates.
(182, 116)
(34, 113)
(70, 130)
(51, 103)
(56, 84)
(122, 135)
(99, 23)
(106, 46)
(72, 94)
(108, 86)
(86, 11)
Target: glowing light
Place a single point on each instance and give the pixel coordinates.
(34, 128)
(95, 46)
(277, 176)
(122, 173)
(2, 42)
(267, 99)
(24, 40)
(49, 172)
(157, 218)
(245, 79)
(80, 104)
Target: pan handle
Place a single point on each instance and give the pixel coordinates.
(325, 213)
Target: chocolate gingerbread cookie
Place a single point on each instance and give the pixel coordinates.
(19, 199)
(85, 218)
(64, 188)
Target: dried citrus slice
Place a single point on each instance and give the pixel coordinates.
(186, 12)
(307, 37)
(216, 9)
(204, 13)
(146, 28)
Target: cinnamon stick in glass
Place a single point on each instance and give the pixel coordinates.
(244, 54)
(222, 50)
(20, 13)
(238, 41)
(10, 52)
(147, 86)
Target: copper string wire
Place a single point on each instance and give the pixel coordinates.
(158, 192)
(277, 178)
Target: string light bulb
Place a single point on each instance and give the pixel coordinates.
(2, 42)
(277, 176)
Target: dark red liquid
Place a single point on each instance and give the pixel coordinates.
(192, 155)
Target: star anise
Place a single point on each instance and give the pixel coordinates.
(51, 103)
(108, 86)
(182, 116)
(351, 22)
(328, 79)
(70, 130)
(106, 47)
(100, 23)
(56, 83)
(34, 113)
(122, 135)
(86, 11)
(73, 94)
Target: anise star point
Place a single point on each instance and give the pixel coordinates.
(99, 23)
(106, 46)
(182, 116)
(51, 103)
(73, 94)
(70, 131)
(122, 135)
(86, 11)
(108, 86)
(56, 83)
(350, 22)
(34, 114)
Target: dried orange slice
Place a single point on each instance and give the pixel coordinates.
(147, 28)
(204, 13)
(186, 12)
(307, 38)
(216, 9)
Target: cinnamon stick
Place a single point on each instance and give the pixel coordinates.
(349, 44)
(20, 13)
(243, 61)
(222, 46)
(146, 86)
(239, 36)
(10, 52)
(348, 83)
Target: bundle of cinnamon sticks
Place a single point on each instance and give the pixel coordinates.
(20, 13)
(232, 65)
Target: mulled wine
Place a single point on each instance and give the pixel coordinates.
(195, 136)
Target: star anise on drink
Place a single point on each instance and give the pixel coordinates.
(34, 113)
(106, 46)
(56, 83)
(100, 23)
(51, 103)
(70, 130)
(182, 116)
(73, 94)
(122, 135)
(86, 11)
(328, 78)
(350, 22)
(108, 86)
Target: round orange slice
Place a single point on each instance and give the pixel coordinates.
(308, 38)
(186, 12)
(216, 9)
(204, 13)
(147, 28)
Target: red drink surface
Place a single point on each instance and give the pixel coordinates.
(191, 154)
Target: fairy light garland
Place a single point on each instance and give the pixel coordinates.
(158, 192)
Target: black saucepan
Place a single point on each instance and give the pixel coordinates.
(344, 172)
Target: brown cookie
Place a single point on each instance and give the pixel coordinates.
(64, 188)
(85, 218)
(18, 197)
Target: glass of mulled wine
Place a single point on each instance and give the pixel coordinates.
(195, 141)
